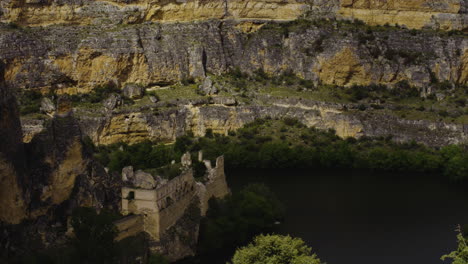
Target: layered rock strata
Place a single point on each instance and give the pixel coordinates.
(77, 59)
(440, 14)
(162, 123)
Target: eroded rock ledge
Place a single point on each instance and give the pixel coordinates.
(443, 14)
(77, 59)
(160, 123)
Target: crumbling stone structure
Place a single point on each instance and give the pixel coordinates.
(161, 207)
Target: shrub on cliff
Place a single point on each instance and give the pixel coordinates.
(275, 249)
(30, 102)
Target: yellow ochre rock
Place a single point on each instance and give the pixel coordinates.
(442, 14)
(342, 69)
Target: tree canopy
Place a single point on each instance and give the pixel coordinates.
(459, 256)
(94, 235)
(275, 249)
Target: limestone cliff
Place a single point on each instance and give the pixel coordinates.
(442, 14)
(77, 59)
(43, 181)
(140, 124)
(12, 166)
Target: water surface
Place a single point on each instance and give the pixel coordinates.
(352, 217)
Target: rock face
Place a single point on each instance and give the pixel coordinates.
(139, 124)
(76, 59)
(13, 207)
(112, 102)
(47, 106)
(43, 181)
(133, 91)
(444, 14)
(207, 87)
(144, 180)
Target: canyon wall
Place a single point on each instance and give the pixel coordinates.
(12, 158)
(139, 124)
(43, 181)
(440, 14)
(77, 59)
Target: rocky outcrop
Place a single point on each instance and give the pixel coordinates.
(77, 59)
(139, 124)
(442, 14)
(85, 12)
(13, 207)
(43, 181)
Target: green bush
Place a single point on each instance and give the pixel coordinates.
(30, 102)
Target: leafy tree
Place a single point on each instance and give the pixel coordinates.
(459, 256)
(94, 235)
(275, 249)
(237, 218)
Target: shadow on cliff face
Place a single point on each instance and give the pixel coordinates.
(43, 181)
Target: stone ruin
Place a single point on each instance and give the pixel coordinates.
(154, 205)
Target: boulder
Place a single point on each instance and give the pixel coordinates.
(223, 100)
(133, 91)
(153, 99)
(186, 160)
(207, 87)
(127, 173)
(144, 180)
(113, 101)
(47, 106)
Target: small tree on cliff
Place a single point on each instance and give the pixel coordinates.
(275, 249)
(459, 256)
(94, 235)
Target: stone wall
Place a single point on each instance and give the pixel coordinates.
(169, 209)
(129, 226)
(215, 186)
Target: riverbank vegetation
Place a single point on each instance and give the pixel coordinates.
(269, 143)
(235, 219)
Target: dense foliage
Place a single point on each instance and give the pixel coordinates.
(29, 102)
(235, 219)
(268, 143)
(287, 143)
(94, 235)
(145, 155)
(459, 256)
(275, 249)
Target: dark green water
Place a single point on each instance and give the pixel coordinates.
(351, 217)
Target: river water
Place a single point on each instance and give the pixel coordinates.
(352, 217)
